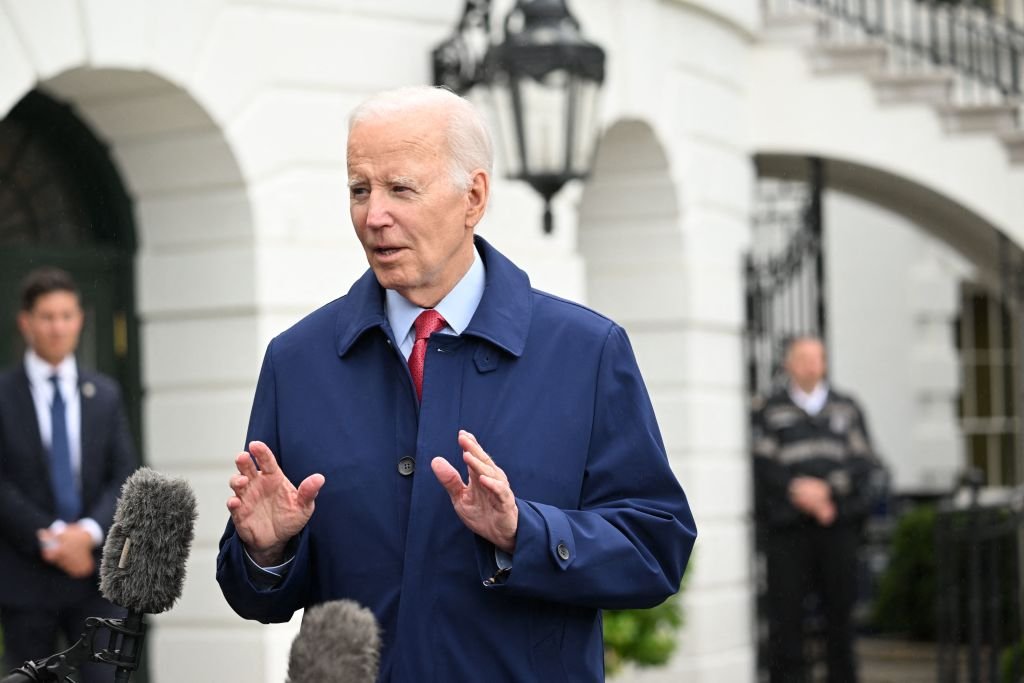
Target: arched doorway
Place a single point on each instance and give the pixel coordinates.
(628, 205)
(923, 308)
(62, 203)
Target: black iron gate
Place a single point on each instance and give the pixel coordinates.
(785, 269)
(785, 292)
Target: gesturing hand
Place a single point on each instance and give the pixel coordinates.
(486, 504)
(267, 509)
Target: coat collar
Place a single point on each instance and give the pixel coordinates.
(502, 318)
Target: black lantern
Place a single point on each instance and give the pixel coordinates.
(544, 79)
(459, 61)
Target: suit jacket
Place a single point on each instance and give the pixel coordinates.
(553, 393)
(26, 498)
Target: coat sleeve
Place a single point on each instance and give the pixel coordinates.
(20, 516)
(629, 542)
(861, 481)
(771, 476)
(120, 460)
(269, 605)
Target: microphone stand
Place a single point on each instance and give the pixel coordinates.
(122, 651)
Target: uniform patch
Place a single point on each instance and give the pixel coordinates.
(839, 423)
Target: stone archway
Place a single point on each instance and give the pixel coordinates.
(671, 277)
(629, 230)
(897, 253)
(196, 303)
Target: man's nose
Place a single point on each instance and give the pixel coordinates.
(378, 211)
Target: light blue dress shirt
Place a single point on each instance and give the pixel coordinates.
(457, 307)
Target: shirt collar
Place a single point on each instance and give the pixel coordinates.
(502, 318)
(811, 402)
(39, 371)
(457, 307)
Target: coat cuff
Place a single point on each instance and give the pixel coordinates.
(253, 598)
(544, 542)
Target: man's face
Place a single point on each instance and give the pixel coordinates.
(806, 363)
(415, 226)
(53, 326)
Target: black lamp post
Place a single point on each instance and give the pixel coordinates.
(544, 79)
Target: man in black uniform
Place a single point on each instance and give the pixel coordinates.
(812, 467)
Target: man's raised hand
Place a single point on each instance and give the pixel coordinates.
(267, 510)
(485, 504)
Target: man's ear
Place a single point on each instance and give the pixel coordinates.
(23, 326)
(476, 197)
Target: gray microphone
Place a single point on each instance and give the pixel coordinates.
(144, 556)
(143, 570)
(338, 642)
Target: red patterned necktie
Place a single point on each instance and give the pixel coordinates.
(428, 322)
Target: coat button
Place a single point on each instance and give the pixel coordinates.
(406, 466)
(563, 551)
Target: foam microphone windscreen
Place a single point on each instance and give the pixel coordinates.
(143, 567)
(338, 642)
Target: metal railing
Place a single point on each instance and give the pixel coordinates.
(977, 553)
(979, 42)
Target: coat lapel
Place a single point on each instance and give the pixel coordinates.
(26, 409)
(90, 467)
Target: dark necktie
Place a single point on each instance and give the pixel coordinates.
(428, 322)
(65, 490)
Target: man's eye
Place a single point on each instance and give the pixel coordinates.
(358, 191)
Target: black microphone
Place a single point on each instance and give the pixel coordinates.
(143, 570)
(338, 642)
(144, 556)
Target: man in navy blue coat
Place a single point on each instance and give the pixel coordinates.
(476, 461)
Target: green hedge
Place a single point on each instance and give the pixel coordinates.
(906, 591)
(645, 637)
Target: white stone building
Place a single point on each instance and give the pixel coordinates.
(226, 122)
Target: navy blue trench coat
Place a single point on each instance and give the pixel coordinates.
(553, 393)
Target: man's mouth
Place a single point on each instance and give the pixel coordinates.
(386, 251)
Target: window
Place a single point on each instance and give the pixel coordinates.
(987, 340)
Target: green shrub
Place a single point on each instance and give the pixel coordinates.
(907, 598)
(646, 637)
(906, 591)
(1011, 661)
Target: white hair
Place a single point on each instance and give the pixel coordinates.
(468, 137)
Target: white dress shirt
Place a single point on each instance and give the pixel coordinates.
(39, 373)
(812, 403)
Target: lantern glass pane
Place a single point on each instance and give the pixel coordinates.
(584, 127)
(545, 113)
(509, 157)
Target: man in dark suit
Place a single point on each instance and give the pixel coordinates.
(65, 451)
